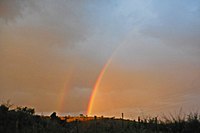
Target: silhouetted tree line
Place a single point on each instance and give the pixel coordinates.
(24, 120)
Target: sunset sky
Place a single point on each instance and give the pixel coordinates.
(145, 53)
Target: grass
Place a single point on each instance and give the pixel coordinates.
(23, 120)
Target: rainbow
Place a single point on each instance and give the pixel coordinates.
(101, 74)
(99, 78)
(61, 99)
(96, 86)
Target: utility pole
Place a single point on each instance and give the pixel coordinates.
(123, 121)
(95, 120)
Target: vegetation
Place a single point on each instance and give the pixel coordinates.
(23, 120)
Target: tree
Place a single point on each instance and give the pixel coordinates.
(53, 116)
(26, 110)
(3, 109)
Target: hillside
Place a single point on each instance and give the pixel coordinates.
(23, 120)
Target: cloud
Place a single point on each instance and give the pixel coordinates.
(175, 23)
(51, 48)
(10, 10)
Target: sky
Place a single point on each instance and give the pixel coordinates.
(52, 53)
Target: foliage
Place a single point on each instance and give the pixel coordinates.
(23, 120)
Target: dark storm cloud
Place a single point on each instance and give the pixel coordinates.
(11, 9)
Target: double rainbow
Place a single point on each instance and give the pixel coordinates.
(97, 83)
